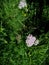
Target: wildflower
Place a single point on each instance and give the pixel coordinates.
(22, 4)
(30, 40)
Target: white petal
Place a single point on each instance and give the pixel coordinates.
(22, 4)
(29, 45)
(36, 42)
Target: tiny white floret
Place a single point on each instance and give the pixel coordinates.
(30, 40)
(36, 42)
(22, 4)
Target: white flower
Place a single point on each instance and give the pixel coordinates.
(22, 4)
(30, 40)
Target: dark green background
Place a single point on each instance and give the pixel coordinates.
(15, 22)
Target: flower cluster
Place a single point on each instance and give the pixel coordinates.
(22, 4)
(31, 40)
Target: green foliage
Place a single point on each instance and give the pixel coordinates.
(15, 25)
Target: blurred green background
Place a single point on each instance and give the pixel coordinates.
(16, 24)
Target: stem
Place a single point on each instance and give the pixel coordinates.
(1, 25)
(30, 61)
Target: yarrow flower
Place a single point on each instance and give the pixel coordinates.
(31, 40)
(22, 4)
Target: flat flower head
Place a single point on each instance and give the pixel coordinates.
(30, 40)
(22, 4)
